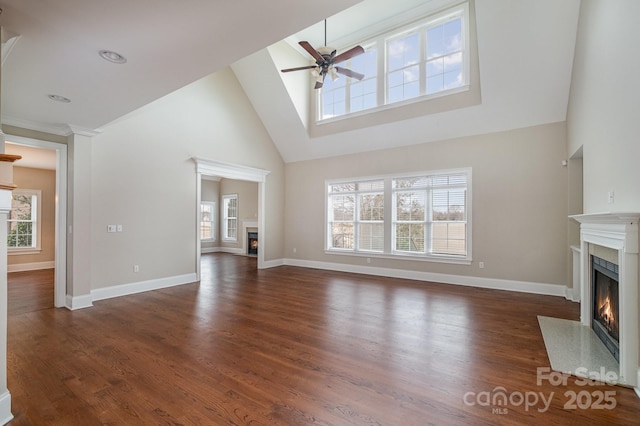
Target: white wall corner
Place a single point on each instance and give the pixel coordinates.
(79, 302)
(5, 408)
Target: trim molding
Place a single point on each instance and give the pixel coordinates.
(273, 263)
(20, 267)
(5, 408)
(231, 250)
(142, 286)
(490, 283)
(210, 249)
(74, 303)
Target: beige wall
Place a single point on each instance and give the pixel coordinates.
(144, 178)
(603, 106)
(44, 180)
(519, 197)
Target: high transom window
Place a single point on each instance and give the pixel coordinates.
(426, 59)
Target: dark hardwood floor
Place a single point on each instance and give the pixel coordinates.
(30, 291)
(296, 346)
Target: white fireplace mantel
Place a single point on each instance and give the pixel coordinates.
(617, 231)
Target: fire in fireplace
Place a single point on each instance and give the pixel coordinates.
(606, 303)
(252, 243)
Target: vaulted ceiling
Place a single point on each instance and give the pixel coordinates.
(525, 51)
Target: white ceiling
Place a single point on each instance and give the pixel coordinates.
(168, 44)
(525, 53)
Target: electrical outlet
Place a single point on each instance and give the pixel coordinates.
(481, 265)
(136, 268)
(610, 197)
(111, 228)
(119, 228)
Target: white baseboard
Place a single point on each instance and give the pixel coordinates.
(78, 302)
(139, 287)
(571, 295)
(20, 267)
(490, 283)
(272, 263)
(231, 250)
(5, 408)
(210, 250)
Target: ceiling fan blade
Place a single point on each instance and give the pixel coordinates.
(354, 51)
(349, 73)
(313, 52)
(308, 67)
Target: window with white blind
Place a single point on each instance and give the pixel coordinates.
(427, 58)
(208, 221)
(24, 222)
(422, 215)
(230, 217)
(356, 216)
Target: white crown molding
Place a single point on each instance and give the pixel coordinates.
(83, 131)
(54, 129)
(230, 171)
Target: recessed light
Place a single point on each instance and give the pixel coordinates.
(112, 56)
(59, 98)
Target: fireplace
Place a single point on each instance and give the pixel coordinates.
(252, 243)
(606, 304)
(615, 238)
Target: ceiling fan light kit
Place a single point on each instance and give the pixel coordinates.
(326, 59)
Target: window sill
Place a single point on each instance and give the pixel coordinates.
(456, 260)
(17, 252)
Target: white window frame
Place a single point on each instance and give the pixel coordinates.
(225, 217)
(380, 44)
(36, 211)
(357, 221)
(213, 222)
(390, 220)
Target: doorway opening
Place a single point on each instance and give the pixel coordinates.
(47, 155)
(219, 170)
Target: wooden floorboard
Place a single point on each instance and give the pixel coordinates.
(30, 291)
(295, 346)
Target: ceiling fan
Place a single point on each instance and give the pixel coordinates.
(326, 59)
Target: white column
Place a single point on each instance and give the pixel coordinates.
(6, 185)
(79, 225)
(5, 396)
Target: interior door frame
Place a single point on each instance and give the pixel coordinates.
(205, 167)
(60, 277)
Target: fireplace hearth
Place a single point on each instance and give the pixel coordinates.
(606, 304)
